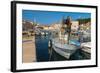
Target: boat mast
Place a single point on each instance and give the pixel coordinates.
(68, 23)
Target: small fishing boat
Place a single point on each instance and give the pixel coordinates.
(42, 33)
(62, 44)
(65, 50)
(86, 47)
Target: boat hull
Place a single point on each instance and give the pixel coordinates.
(86, 47)
(64, 50)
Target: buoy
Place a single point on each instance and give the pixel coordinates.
(50, 49)
(50, 44)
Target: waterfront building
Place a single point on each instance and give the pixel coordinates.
(75, 26)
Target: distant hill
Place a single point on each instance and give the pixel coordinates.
(83, 21)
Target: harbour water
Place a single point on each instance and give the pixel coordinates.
(42, 51)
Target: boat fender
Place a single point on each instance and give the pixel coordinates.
(50, 44)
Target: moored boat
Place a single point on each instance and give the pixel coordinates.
(62, 44)
(86, 47)
(65, 50)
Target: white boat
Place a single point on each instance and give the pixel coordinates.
(42, 33)
(65, 50)
(46, 33)
(61, 44)
(86, 47)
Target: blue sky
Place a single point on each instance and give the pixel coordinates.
(49, 17)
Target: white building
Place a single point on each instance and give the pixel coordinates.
(55, 27)
(75, 26)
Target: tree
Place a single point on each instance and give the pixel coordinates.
(83, 21)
